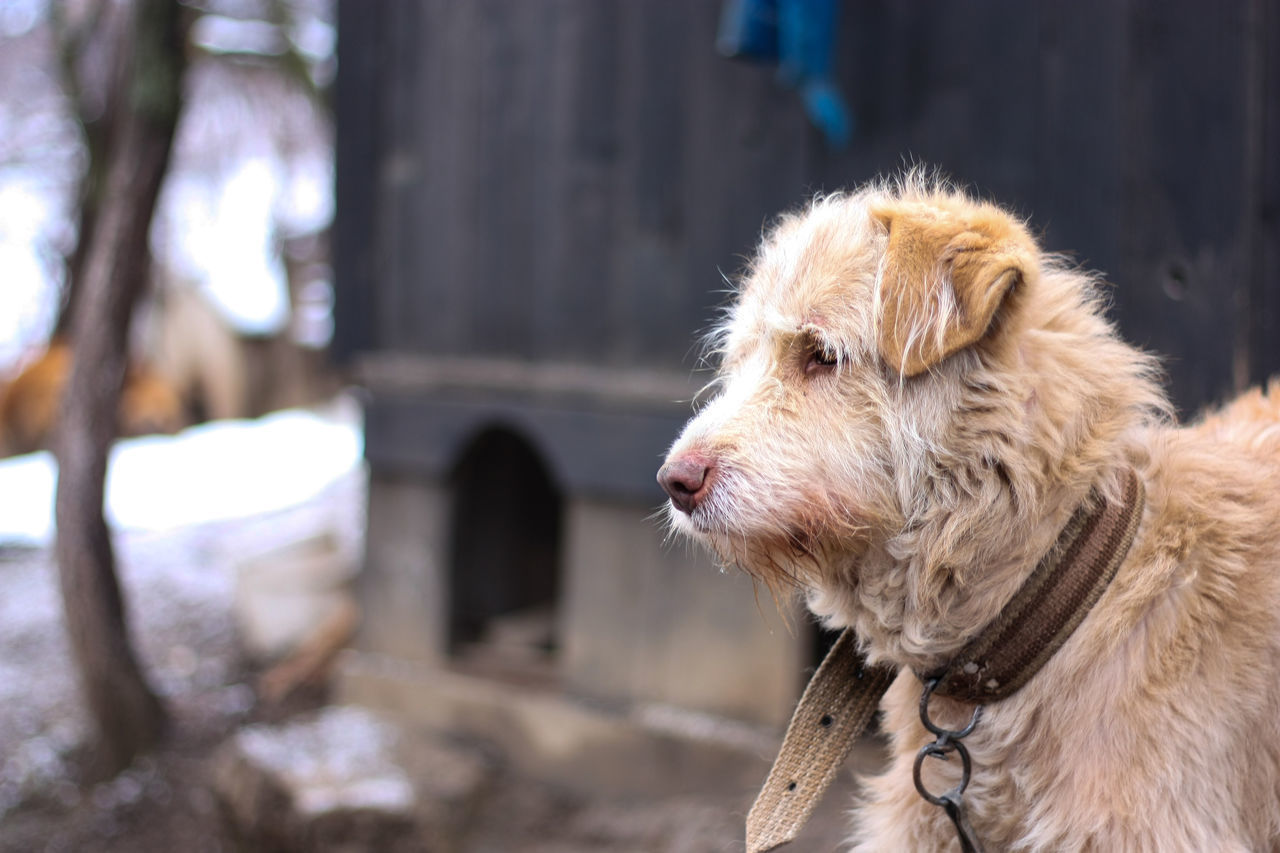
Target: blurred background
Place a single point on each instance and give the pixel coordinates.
(416, 315)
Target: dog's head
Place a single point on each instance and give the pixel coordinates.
(875, 380)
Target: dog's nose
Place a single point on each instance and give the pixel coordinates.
(684, 478)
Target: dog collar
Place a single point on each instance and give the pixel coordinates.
(844, 694)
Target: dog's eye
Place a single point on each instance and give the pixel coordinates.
(821, 359)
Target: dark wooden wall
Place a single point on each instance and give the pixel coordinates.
(565, 180)
(1138, 135)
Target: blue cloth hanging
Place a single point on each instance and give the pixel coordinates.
(799, 36)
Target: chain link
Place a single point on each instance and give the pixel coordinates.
(947, 742)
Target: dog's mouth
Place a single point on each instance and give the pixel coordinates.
(779, 554)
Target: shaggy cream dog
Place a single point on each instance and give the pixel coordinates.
(913, 399)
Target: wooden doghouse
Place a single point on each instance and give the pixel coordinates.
(536, 248)
(536, 201)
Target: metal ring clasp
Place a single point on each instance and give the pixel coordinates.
(942, 751)
(950, 734)
(948, 741)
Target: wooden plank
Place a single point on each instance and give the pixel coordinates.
(598, 451)
(512, 102)
(1263, 179)
(581, 210)
(401, 172)
(1077, 194)
(1183, 268)
(356, 148)
(649, 276)
(553, 234)
(444, 213)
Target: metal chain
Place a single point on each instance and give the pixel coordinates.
(948, 741)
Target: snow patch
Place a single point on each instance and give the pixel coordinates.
(343, 758)
(214, 472)
(228, 490)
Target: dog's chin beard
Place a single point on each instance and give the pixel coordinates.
(785, 562)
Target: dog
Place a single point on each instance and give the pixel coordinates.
(30, 404)
(912, 401)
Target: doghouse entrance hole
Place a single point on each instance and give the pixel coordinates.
(505, 557)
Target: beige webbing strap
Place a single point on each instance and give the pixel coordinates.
(836, 708)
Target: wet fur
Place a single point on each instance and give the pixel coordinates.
(904, 468)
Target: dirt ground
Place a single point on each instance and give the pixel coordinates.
(180, 588)
(162, 803)
(166, 803)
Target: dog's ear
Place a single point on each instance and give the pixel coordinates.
(945, 274)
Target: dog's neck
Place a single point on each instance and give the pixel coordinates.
(922, 595)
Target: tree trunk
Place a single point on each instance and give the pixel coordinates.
(94, 106)
(128, 716)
